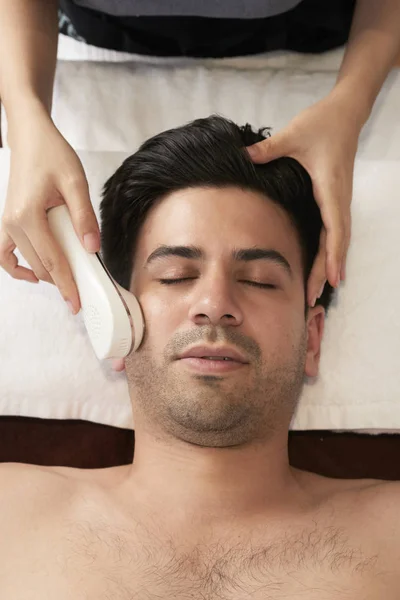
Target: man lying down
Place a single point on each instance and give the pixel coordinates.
(218, 251)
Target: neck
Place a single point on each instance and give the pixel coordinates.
(191, 483)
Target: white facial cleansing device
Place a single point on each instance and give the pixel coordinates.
(112, 315)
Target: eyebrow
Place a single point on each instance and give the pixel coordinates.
(238, 254)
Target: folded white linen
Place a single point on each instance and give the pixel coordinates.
(49, 370)
(106, 104)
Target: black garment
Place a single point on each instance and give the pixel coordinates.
(313, 26)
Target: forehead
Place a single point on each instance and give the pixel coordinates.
(218, 220)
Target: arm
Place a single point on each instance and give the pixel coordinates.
(45, 171)
(324, 137)
(28, 54)
(372, 50)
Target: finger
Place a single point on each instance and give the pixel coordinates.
(347, 245)
(317, 278)
(53, 258)
(9, 261)
(77, 198)
(25, 248)
(118, 364)
(269, 149)
(333, 219)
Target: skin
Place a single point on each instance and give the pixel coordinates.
(244, 456)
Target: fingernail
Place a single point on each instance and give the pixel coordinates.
(321, 290)
(71, 308)
(91, 242)
(337, 281)
(313, 302)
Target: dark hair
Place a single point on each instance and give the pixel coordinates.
(207, 152)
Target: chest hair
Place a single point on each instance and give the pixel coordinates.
(144, 562)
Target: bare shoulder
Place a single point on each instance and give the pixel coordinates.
(377, 515)
(374, 497)
(372, 502)
(51, 488)
(32, 488)
(23, 472)
(328, 487)
(381, 501)
(26, 474)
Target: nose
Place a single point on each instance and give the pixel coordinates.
(213, 302)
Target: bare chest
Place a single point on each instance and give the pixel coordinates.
(78, 561)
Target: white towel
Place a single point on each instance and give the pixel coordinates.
(48, 368)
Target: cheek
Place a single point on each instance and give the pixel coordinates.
(277, 333)
(154, 306)
(160, 320)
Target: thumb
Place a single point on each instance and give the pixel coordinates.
(268, 149)
(83, 217)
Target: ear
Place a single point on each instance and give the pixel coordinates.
(315, 331)
(118, 364)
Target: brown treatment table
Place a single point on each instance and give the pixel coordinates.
(87, 445)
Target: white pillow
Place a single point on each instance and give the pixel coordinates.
(49, 370)
(106, 101)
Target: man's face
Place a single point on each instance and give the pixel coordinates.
(217, 303)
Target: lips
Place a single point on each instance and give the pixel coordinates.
(214, 351)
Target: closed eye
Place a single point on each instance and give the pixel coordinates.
(261, 285)
(254, 283)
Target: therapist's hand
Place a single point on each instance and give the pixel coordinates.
(44, 172)
(324, 139)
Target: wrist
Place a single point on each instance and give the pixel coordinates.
(23, 112)
(353, 105)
